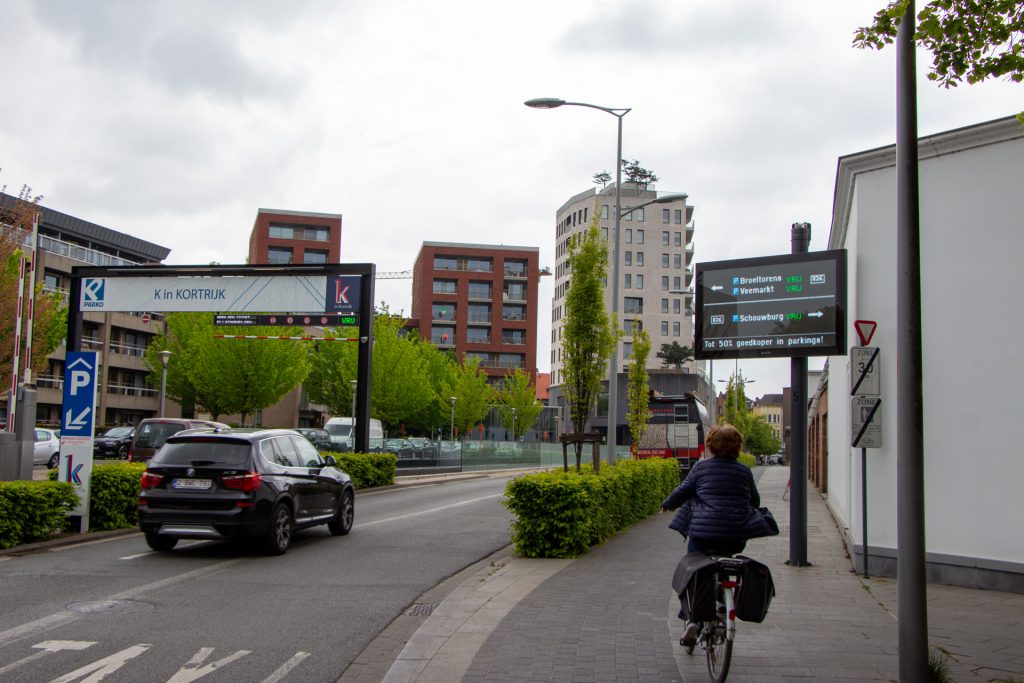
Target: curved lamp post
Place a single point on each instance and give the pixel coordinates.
(165, 356)
(513, 424)
(613, 374)
(354, 383)
(451, 434)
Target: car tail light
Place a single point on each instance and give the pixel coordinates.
(248, 482)
(150, 480)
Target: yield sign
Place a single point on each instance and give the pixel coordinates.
(865, 330)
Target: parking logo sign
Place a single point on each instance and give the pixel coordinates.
(92, 292)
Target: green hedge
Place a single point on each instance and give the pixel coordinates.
(113, 495)
(33, 510)
(561, 514)
(368, 469)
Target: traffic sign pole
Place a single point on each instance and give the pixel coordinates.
(800, 238)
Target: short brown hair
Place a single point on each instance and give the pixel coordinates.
(724, 441)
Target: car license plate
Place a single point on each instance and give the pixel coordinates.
(192, 484)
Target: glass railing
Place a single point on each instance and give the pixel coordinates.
(83, 254)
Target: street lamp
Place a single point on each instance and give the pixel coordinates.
(513, 424)
(354, 383)
(165, 356)
(613, 374)
(451, 434)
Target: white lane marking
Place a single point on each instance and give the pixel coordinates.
(48, 647)
(73, 546)
(65, 616)
(193, 671)
(101, 668)
(431, 510)
(283, 670)
(150, 552)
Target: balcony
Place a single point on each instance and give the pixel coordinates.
(513, 316)
(478, 340)
(502, 364)
(83, 254)
(464, 265)
(513, 341)
(478, 319)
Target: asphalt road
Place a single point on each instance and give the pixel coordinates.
(115, 611)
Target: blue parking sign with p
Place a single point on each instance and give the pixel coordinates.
(78, 409)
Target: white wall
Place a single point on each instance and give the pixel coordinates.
(972, 243)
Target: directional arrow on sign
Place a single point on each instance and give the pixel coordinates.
(78, 421)
(79, 361)
(715, 288)
(815, 314)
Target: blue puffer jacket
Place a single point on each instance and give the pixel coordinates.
(718, 499)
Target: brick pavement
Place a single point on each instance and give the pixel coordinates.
(610, 615)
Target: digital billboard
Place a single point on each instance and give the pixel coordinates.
(788, 305)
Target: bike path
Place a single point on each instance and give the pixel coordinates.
(610, 615)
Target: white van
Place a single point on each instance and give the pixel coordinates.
(343, 440)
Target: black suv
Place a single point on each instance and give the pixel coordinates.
(261, 485)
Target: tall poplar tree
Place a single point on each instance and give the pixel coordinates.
(638, 392)
(518, 394)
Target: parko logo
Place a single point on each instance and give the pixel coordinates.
(92, 292)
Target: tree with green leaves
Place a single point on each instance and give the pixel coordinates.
(674, 354)
(227, 375)
(473, 395)
(638, 412)
(602, 178)
(736, 411)
(589, 335)
(517, 404)
(969, 40)
(759, 439)
(635, 173)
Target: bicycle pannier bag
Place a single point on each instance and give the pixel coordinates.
(755, 591)
(694, 581)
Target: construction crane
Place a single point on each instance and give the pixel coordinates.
(394, 275)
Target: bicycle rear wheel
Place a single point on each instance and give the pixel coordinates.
(719, 652)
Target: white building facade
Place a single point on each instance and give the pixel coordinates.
(655, 268)
(972, 241)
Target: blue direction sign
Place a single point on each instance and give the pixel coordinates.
(77, 419)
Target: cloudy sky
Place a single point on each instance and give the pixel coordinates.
(175, 120)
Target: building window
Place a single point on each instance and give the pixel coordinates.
(279, 255)
(640, 259)
(639, 215)
(627, 350)
(604, 234)
(630, 325)
(310, 233)
(512, 312)
(678, 216)
(664, 307)
(517, 337)
(664, 238)
(629, 236)
(639, 281)
(444, 286)
(665, 216)
(314, 256)
(677, 239)
(677, 260)
(676, 306)
(442, 336)
(445, 263)
(604, 211)
(675, 329)
(478, 335)
(664, 260)
(442, 311)
(664, 283)
(664, 325)
(479, 313)
(513, 292)
(639, 236)
(677, 283)
(633, 305)
(628, 216)
(629, 281)
(515, 267)
(479, 290)
(629, 258)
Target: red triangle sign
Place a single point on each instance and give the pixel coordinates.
(865, 330)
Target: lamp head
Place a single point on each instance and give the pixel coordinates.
(544, 103)
(165, 356)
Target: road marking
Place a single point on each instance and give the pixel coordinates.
(74, 546)
(102, 667)
(285, 668)
(48, 648)
(427, 512)
(193, 671)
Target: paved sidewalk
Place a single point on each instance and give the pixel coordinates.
(610, 615)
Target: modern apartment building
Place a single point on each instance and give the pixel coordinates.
(769, 407)
(480, 301)
(280, 236)
(655, 268)
(122, 397)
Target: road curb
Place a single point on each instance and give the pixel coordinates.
(66, 539)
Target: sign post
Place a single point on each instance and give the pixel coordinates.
(77, 421)
(865, 418)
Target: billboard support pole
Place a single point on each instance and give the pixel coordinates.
(800, 239)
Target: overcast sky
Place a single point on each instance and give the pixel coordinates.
(175, 120)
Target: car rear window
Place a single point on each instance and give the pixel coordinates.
(154, 434)
(204, 453)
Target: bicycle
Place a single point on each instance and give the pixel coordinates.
(716, 637)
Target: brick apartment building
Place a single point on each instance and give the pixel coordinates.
(280, 236)
(480, 301)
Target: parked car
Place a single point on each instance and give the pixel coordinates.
(400, 447)
(113, 443)
(261, 485)
(343, 440)
(320, 439)
(46, 450)
(152, 432)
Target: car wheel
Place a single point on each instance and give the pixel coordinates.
(54, 461)
(279, 534)
(161, 543)
(122, 451)
(342, 522)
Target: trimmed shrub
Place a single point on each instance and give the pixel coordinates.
(561, 514)
(33, 510)
(113, 495)
(748, 460)
(368, 469)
